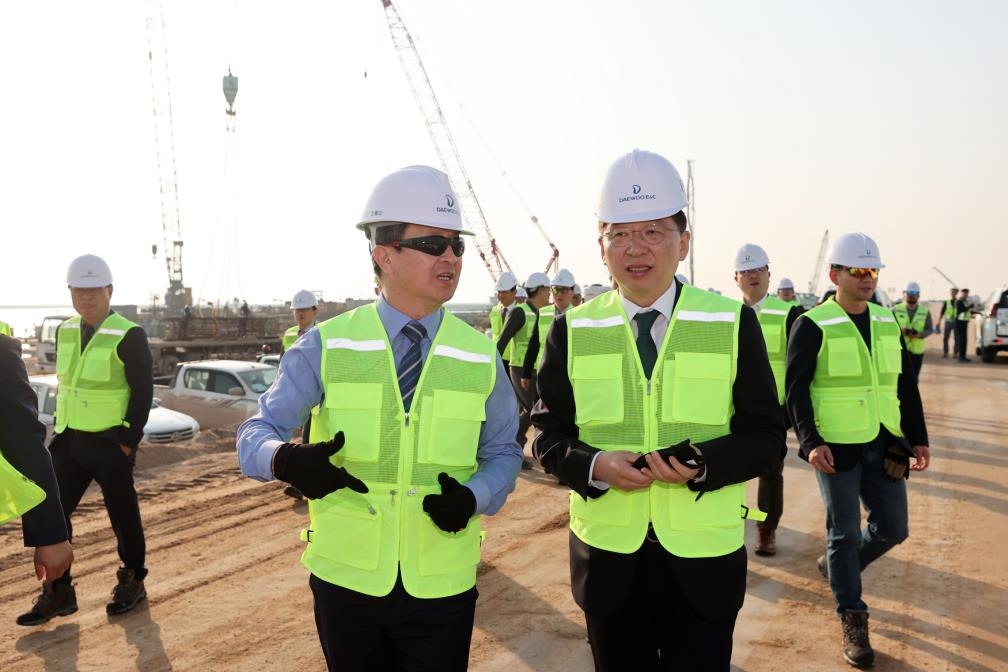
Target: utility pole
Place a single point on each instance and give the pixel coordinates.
(691, 214)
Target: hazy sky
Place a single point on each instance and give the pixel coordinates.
(887, 117)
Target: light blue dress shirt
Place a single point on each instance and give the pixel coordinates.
(298, 387)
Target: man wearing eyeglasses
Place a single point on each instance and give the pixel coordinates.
(858, 417)
(562, 287)
(657, 557)
(915, 322)
(414, 440)
(752, 275)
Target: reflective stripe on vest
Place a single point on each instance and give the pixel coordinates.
(290, 337)
(93, 393)
(617, 408)
(918, 323)
(363, 541)
(18, 493)
(853, 391)
(497, 327)
(520, 342)
(772, 314)
(546, 316)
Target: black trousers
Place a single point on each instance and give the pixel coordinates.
(361, 633)
(917, 361)
(949, 329)
(961, 327)
(526, 400)
(770, 495)
(81, 457)
(657, 630)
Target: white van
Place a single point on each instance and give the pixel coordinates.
(992, 331)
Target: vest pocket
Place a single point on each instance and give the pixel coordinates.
(696, 387)
(890, 355)
(346, 531)
(441, 552)
(842, 356)
(450, 426)
(597, 381)
(64, 358)
(97, 365)
(840, 410)
(359, 416)
(772, 336)
(613, 508)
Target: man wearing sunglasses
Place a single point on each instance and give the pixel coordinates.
(776, 316)
(857, 413)
(915, 322)
(658, 562)
(413, 441)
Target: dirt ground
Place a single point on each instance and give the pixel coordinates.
(227, 592)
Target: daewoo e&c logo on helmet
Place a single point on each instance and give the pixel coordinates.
(637, 195)
(636, 188)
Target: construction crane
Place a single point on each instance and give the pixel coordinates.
(444, 144)
(178, 295)
(230, 85)
(691, 214)
(950, 280)
(813, 284)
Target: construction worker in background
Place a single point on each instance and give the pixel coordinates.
(858, 418)
(915, 321)
(752, 275)
(28, 486)
(5, 329)
(659, 570)
(948, 314)
(506, 287)
(517, 333)
(414, 442)
(243, 315)
(102, 403)
(521, 296)
(964, 313)
(577, 299)
(305, 309)
(786, 293)
(562, 287)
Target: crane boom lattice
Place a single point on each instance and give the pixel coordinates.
(444, 144)
(813, 285)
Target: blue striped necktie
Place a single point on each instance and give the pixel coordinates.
(409, 366)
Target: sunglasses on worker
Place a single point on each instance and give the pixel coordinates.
(432, 245)
(857, 272)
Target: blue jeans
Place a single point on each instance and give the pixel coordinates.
(849, 549)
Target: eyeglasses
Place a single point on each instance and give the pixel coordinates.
(857, 272)
(562, 290)
(651, 237)
(432, 245)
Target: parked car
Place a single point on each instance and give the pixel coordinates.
(272, 360)
(163, 424)
(992, 330)
(217, 392)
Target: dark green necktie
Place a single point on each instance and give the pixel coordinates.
(645, 344)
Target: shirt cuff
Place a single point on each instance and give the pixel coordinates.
(598, 485)
(264, 460)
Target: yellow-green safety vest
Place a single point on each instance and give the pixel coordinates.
(290, 337)
(918, 323)
(853, 390)
(497, 327)
(950, 312)
(363, 541)
(688, 396)
(18, 493)
(546, 316)
(772, 314)
(93, 393)
(6, 329)
(964, 316)
(520, 341)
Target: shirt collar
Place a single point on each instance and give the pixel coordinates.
(664, 304)
(394, 319)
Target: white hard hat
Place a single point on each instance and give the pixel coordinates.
(506, 281)
(303, 299)
(521, 293)
(593, 290)
(912, 288)
(414, 195)
(855, 250)
(750, 256)
(640, 186)
(682, 278)
(537, 279)
(89, 271)
(785, 283)
(563, 278)
(577, 290)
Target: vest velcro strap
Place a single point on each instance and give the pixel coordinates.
(306, 535)
(752, 513)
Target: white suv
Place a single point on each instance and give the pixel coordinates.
(992, 333)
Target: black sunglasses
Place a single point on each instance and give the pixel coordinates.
(432, 245)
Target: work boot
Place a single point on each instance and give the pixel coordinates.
(57, 599)
(127, 593)
(767, 544)
(857, 650)
(526, 464)
(291, 491)
(823, 567)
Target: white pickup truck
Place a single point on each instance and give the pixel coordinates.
(216, 392)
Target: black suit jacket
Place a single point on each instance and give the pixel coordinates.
(22, 439)
(601, 580)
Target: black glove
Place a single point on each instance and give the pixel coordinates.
(452, 509)
(897, 461)
(306, 466)
(682, 451)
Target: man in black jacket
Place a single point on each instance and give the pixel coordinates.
(657, 557)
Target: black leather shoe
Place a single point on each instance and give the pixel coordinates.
(127, 594)
(57, 599)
